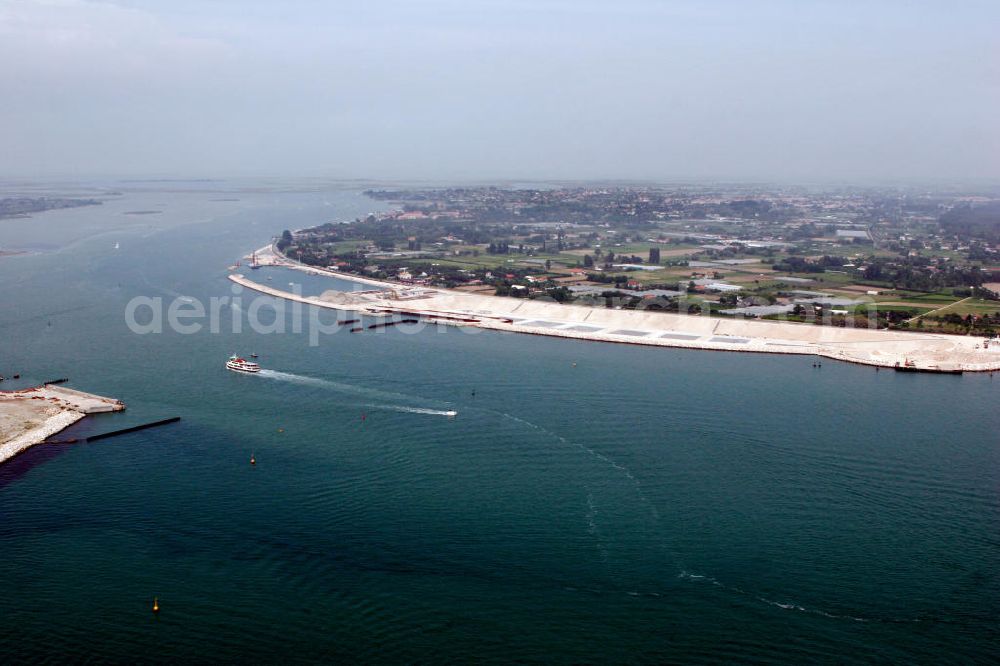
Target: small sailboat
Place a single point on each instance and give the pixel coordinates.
(116, 245)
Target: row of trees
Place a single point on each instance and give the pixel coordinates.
(285, 240)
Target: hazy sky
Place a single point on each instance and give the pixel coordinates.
(794, 89)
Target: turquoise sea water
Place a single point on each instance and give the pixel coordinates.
(644, 505)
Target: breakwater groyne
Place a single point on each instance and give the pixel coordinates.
(144, 426)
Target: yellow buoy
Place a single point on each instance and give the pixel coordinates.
(156, 605)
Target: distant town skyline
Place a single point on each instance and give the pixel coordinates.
(769, 90)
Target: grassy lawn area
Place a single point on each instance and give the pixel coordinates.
(893, 307)
(819, 279)
(567, 258)
(642, 249)
(950, 254)
(494, 261)
(937, 298)
(676, 250)
(348, 246)
(469, 263)
(754, 279)
(975, 306)
(828, 278)
(659, 277)
(766, 284)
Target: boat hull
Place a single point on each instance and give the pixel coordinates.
(949, 371)
(236, 368)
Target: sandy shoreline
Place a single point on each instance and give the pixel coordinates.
(30, 416)
(926, 351)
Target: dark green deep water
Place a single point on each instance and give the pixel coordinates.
(647, 505)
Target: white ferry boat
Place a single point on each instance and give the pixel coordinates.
(238, 364)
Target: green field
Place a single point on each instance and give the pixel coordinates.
(917, 309)
(936, 298)
(348, 246)
(975, 306)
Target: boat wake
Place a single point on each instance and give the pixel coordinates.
(593, 530)
(351, 389)
(296, 379)
(789, 606)
(416, 410)
(622, 469)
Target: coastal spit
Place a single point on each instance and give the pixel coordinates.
(926, 352)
